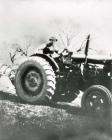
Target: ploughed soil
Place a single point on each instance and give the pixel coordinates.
(61, 121)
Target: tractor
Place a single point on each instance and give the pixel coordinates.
(43, 77)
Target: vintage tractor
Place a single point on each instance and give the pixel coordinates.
(43, 77)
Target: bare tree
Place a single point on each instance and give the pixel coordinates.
(66, 37)
(19, 50)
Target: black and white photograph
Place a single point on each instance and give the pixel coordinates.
(55, 70)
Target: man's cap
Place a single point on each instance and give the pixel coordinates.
(53, 39)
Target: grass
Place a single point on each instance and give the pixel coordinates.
(27, 122)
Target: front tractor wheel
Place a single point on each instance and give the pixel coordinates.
(97, 99)
(35, 80)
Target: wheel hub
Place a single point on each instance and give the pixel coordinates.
(95, 101)
(33, 81)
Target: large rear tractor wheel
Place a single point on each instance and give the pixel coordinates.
(97, 100)
(35, 80)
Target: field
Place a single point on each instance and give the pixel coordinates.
(26, 23)
(62, 121)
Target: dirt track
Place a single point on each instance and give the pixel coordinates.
(20, 121)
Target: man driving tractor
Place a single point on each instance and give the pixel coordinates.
(49, 48)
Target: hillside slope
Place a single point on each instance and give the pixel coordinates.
(22, 121)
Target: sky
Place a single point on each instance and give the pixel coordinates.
(40, 19)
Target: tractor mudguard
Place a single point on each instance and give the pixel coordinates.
(49, 59)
